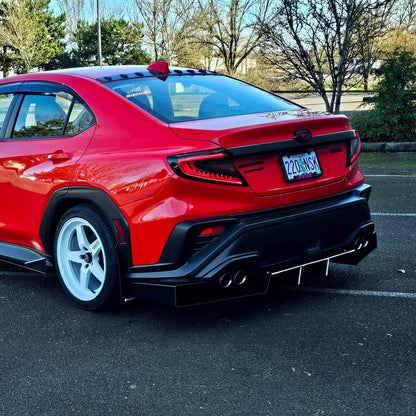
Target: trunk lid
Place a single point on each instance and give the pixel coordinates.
(264, 149)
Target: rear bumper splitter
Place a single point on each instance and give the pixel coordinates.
(255, 247)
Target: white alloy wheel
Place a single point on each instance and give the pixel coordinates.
(86, 258)
(81, 259)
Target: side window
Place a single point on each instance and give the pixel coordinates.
(80, 119)
(5, 101)
(51, 115)
(41, 115)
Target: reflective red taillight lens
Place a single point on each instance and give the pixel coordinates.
(355, 148)
(213, 167)
(217, 229)
(119, 231)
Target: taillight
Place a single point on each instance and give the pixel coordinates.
(355, 148)
(212, 167)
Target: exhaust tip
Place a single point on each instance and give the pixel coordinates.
(240, 277)
(225, 280)
(361, 242)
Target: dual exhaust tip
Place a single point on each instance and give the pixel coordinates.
(238, 279)
(362, 242)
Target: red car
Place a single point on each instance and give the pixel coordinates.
(173, 185)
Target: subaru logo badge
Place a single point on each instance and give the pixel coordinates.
(303, 136)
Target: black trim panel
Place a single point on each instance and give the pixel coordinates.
(23, 256)
(195, 293)
(146, 73)
(45, 87)
(286, 145)
(10, 88)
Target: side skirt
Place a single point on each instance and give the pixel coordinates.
(23, 257)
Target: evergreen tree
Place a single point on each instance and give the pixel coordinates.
(30, 34)
(120, 40)
(393, 117)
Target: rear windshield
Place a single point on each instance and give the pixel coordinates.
(175, 99)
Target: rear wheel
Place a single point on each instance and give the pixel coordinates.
(86, 259)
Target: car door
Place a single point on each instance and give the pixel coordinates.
(46, 128)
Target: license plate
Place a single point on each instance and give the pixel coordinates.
(301, 166)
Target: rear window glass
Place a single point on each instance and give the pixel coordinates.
(196, 97)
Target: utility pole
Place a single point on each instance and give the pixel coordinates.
(100, 59)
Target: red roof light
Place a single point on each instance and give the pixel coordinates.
(159, 66)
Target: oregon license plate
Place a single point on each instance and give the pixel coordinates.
(301, 166)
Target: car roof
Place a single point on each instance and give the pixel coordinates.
(113, 72)
(96, 72)
(116, 72)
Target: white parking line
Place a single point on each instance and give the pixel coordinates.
(389, 176)
(377, 293)
(390, 214)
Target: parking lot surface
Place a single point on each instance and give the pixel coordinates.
(351, 101)
(338, 345)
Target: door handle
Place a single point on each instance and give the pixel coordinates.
(59, 156)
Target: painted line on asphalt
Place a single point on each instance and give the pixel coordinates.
(390, 214)
(389, 176)
(375, 293)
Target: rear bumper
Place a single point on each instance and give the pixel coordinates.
(259, 244)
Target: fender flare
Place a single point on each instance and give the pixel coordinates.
(63, 199)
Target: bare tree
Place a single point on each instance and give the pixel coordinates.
(86, 10)
(205, 32)
(404, 14)
(400, 28)
(372, 28)
(316, 41)
(74, 12)
(166, 25)
(233, 28)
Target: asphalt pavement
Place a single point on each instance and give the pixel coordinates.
(338, 345)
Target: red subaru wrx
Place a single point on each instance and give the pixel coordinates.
(174, 185)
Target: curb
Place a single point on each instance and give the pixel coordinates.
(389, 147)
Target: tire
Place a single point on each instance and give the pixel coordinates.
(86, 259)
